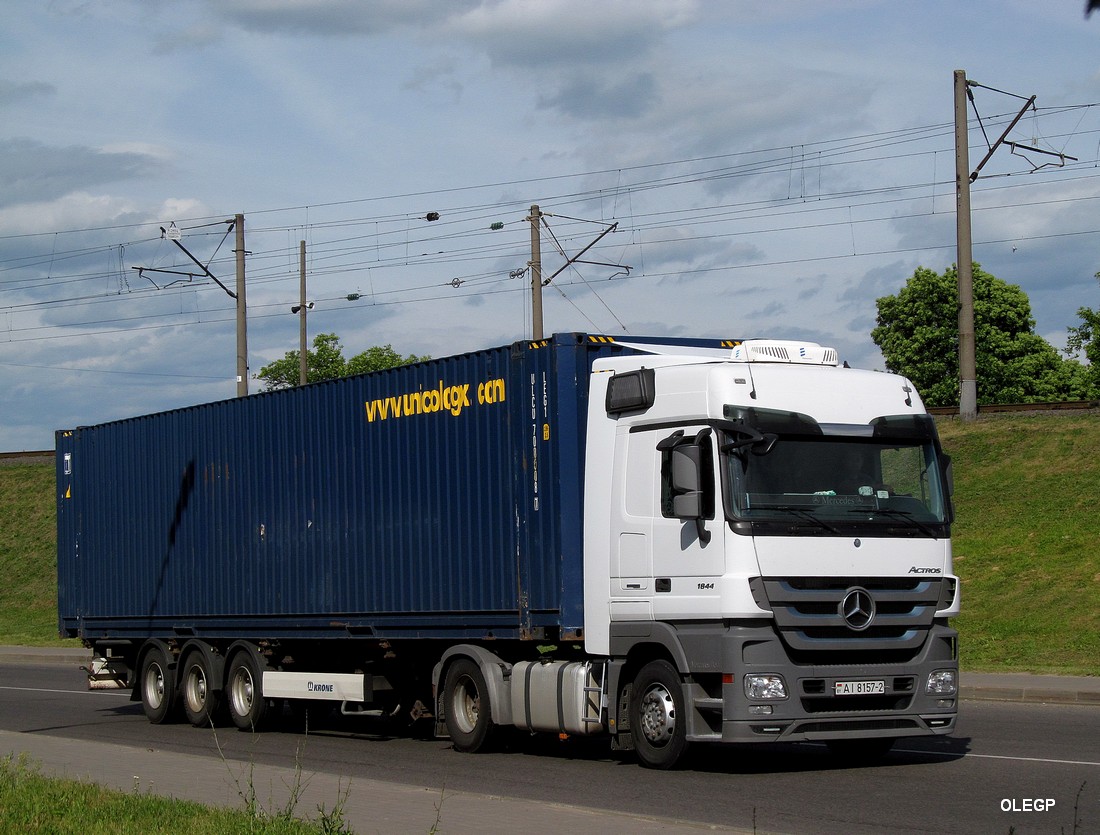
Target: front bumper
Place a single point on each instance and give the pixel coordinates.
(812, 709)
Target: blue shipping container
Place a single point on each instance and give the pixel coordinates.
(440, 499)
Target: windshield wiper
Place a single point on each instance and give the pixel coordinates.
(802, 513)
(905, 514)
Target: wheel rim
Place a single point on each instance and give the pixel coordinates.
(658, 715)
(466, 704)
(196, 688)
(242, 692)
(154, 685)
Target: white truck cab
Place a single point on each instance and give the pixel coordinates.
(779, 524)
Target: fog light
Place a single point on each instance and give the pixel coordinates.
(765, 686)
(760, 710)
(942, 683)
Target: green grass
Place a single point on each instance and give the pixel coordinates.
(1025, 542)
(28, 556)
(30, 802)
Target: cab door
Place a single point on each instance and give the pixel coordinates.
(635, 501)
(687, 522)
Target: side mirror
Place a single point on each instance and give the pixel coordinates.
(687, 478)
(687, 487)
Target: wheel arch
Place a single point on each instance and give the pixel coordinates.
(215, 661)
(239, 646)
(644, 641)
(634, 645)
(496, 672)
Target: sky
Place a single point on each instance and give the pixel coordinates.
(740, 169)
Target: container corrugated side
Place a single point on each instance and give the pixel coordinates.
(382, 504)
(441, 499)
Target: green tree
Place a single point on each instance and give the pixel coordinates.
(326, 362)
(1085, 339)
(917, 332)
(378, 358)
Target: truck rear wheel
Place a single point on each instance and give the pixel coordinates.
(200, 688)
(657, 715)
(244, 692)
(468, 708)
(157, 683)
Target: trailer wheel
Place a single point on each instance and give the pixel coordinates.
(200, 689)
(244, 692)
(157, 684)
(468, 709)
(657, 716)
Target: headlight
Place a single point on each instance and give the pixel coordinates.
(942, 683)
(765, 686)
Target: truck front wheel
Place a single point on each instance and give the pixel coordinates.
(157, 685)
(468, 709)
(657, 715)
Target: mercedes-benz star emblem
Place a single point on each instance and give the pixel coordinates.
(857, 608)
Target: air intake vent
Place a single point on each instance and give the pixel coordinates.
(802, 353)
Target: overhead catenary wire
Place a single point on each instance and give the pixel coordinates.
(462, 235)
(696, 217)
(688, 272)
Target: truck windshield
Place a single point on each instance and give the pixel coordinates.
(884, 477)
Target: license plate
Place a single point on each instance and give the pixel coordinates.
(859, 688)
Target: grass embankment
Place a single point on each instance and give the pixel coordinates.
(30, 802)
(28, 556)
(1025, 540)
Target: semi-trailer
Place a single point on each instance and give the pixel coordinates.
(665, 541)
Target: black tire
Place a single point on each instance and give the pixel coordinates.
(861, 751)
(248, 709)
(468, 708)
(157, 685)
(201, 689)
(658, 720)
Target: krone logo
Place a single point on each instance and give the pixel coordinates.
(857, 608)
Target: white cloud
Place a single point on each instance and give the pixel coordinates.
(333, 18)
(703, 127)
(566, 33)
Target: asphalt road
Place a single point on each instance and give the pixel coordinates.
(1026, 768)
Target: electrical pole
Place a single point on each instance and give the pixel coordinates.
(242, 319)
(303, 371)
(536, 273)
(968, 374)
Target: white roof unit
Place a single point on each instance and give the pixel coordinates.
(769, 350)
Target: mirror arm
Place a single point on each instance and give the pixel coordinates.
(704, 534)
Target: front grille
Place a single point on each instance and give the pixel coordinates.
(841, 619)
